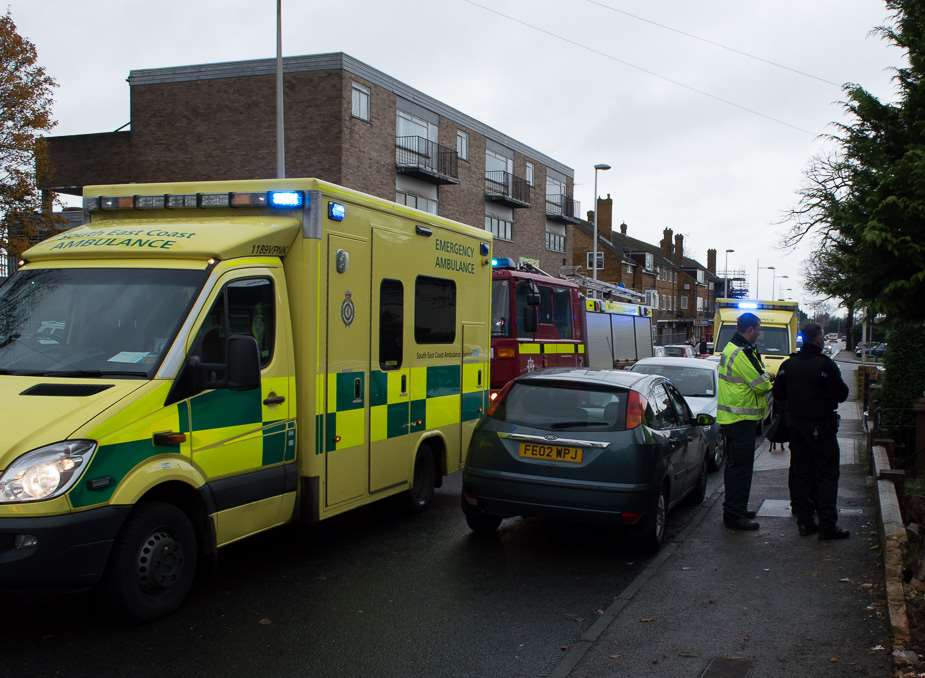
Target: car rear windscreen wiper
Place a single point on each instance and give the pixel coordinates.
(571, 424)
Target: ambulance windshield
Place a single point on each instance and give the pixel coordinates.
(92, 322)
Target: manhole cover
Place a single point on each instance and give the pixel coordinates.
(728, 667)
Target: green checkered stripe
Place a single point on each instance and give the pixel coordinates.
(403, 416)
(213, 409)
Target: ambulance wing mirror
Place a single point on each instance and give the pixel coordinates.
(243, 363)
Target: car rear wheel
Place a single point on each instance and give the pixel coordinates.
(153, 562)
(483, 523)
(654, 536)
(718, 454)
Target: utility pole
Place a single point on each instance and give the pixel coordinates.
(280, 129)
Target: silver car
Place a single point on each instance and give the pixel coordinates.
(698, 382)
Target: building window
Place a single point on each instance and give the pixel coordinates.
(652, 298)
(628, 268)
(712, 286)
(650, 261)
(530, 173)
(360, 102)
(700, 304)
(500, 228)
(683, 302)
(589, 258)
(434, 310)
(391, 324)
(462, 145)
(555, 242)
(418, 202)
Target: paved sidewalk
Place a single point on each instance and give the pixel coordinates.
(760, 604)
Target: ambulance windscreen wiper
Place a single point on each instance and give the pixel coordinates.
(94, 373)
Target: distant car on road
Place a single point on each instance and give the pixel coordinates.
(679, 351)
(878, 351)
(697, 380)
(615, 447)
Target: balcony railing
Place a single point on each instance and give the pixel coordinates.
(562, 208)
(504, 187)
(427, 160)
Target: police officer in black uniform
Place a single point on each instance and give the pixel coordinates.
(810, 386)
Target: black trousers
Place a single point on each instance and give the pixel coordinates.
(740, 463)
(814, 466)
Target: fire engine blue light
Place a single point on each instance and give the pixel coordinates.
(286, 198)
(747, 304)
(503, 262)
(336, 211)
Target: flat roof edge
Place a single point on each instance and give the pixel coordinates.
(336, 61)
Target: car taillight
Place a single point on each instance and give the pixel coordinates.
(498, 399)
(636, 406)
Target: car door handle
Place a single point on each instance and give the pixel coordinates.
(273, 399)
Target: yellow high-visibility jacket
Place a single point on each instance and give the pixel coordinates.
(742, 389)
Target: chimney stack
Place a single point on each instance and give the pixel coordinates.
(666, 243)
(623, 228)
(605, 217)
(678, 248)
(711, 261)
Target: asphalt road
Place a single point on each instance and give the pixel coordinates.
(378, 592)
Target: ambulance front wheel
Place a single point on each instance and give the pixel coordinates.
(153, 562)
(425, 478)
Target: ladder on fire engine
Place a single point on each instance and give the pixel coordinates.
(601, 289)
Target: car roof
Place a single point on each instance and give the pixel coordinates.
(624, 378)
(681, 362)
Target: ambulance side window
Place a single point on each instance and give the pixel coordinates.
(242, 307)
(391, 324)
(434, 310)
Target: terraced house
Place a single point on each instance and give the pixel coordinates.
(681, 290)
(346, 122)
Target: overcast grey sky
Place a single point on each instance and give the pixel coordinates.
(716, 173)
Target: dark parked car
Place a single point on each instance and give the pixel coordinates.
(610, 446)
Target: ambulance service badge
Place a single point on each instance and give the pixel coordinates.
(347, 309)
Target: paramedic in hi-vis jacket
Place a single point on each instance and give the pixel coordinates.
(744, 385)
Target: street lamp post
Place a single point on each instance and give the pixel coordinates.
(603, 167)
(280, 128)
(765, 268)
(783, 277)
(726, 275)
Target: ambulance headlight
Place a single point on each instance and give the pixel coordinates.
(45, 473)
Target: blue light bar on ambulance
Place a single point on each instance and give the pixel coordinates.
(747, 304)
(286, 198)
(503, 262)
(336, 211)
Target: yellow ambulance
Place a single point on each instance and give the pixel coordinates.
(778, 328)
(204, 361)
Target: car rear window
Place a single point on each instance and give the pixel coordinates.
(564, 406)
(693, 382)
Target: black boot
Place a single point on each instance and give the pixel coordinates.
(741, 524)
(806, 529)
(751, 515)
(832, 533)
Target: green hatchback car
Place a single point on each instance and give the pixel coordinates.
(619, 448)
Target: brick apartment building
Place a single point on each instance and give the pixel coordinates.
(682, 290)
(346, 122)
